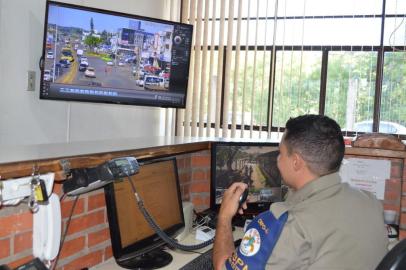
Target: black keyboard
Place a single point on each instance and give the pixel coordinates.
(204, 261)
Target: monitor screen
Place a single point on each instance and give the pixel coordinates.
(132, 238)
(97, 55)
(251, 163)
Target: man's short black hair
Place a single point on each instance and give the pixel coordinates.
(318, 140)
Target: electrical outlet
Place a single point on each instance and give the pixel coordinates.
(21, 187)
(31, 80)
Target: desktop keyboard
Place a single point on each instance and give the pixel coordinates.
(204, 261)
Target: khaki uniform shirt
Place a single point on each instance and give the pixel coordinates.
(330, 226)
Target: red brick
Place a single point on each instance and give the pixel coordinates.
(15, 223)
(396, 170)
(98, 237)
(201, 202)
(86, 261)
(198, 187)
(404, 186)
(108, 253)
(66, 207)
(392, 195)
(393, 184)
(22, 241)
(58, 189)
(403, 219)
(86, 222)
(394, 207)
(402, 234)
(199, 175)
(403, 202)
(185, 190)
(200, 161)
(185, 193)
(184, 178)
(19, 262)
(72, 246)
(5, 248)
(404, 170)
(96, 201)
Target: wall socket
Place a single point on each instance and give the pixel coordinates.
(31, 80)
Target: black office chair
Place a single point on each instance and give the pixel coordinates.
(395, 259)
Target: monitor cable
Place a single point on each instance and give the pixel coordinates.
(171, 242)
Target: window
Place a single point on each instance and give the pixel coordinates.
(393, 101)
(297, 85)
(350, 90)
(259, 62)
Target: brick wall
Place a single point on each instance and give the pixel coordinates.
(402, 226)
(395, 194)
(88, 239)
(194, 175)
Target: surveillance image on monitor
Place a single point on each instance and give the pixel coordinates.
(103, 56)
(253, 164)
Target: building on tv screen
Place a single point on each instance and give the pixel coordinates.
(95, 55)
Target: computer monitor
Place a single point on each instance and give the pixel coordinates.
(251, 163)
(135, 244)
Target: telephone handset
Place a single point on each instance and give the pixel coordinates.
(87, 179)
(47, 229)
(120, 167)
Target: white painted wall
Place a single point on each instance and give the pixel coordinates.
(25, 119)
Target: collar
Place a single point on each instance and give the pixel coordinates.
(307, 191)
(314, 187)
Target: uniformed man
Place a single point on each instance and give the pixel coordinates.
(322, 224)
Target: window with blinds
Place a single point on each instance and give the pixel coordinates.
(256, 63)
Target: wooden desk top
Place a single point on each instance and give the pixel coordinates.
(20, 160)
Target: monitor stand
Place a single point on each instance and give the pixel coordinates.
(153, 259)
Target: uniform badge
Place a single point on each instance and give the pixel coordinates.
(251, 242)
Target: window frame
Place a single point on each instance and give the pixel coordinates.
(381, 49)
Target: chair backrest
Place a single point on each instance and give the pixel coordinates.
(395, 259)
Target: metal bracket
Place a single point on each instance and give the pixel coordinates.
(65, 164)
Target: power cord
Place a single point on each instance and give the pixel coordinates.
(159, 231)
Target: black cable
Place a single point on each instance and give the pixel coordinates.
(159, 231)
(66, 230)
(62, 197)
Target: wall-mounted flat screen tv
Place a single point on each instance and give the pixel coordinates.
(96, 55)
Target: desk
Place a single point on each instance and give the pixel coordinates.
(180, 258)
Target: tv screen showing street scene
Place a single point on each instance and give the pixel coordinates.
(253, 164)
(96, 55)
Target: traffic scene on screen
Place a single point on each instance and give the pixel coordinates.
(93, 49)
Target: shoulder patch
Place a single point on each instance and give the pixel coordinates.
(251, 242)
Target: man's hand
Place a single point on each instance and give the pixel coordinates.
(231, 197)
(223, 243)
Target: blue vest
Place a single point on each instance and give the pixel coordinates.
(258, 242)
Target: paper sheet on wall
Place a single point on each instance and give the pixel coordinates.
(366, 174)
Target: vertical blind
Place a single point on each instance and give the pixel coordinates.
(217, 58)
(255, 63)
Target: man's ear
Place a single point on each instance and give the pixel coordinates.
(298, 162)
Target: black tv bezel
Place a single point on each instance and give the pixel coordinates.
(149, 103)
(150, 243)
(252, 208)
